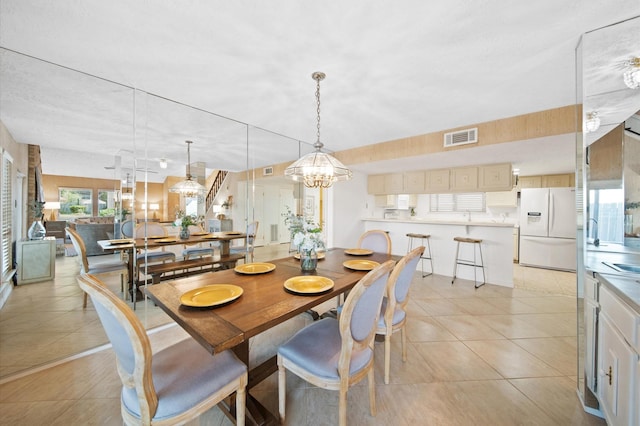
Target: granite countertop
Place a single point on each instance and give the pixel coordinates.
(624, 285)
(444, 222)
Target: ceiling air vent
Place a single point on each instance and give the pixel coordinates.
(267, 171)
(461, 137)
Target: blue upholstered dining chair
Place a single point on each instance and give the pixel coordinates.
(337, 353)
(376, 240)
(252, 230)
(97, 264)
(127, 229)
(198, 250)
(393, 314)
(151, 229)
(172, 386)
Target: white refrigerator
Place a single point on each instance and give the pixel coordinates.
(548, 228)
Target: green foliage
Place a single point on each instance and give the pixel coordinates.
(76, 209)
(37, 209)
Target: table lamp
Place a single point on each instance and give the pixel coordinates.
(54, 206)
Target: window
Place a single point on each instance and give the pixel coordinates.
(107, 202)
(472, 202)
(75, 203)
(606, 207)
(6, 218)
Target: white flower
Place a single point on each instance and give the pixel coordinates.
(306, 234)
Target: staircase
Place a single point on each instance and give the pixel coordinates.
(215, 188)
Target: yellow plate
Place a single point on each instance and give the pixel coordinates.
(358, 252)
(121, 241)
(320, 256)
(232, 233)
(211, 295)
(199, 234)
(360, 265)
(255, 268)
(210, 237)
(156, 237)
(308, 284)
(167, 240)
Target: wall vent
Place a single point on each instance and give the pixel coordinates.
(461, 137)
(267, 171)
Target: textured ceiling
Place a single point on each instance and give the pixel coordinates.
(394, 69)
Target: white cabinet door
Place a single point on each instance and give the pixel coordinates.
(617, 363)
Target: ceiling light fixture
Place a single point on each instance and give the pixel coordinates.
(189, 187)
(592, 122)
(317, 169)
(163, 163)
(632, 75)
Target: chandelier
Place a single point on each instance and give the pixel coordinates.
(592, 123)
(318, 169)
(632, 75)
(189, 187)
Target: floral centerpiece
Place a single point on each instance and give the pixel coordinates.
(307, 238)
(36, 231)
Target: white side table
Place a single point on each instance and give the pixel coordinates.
(36, 260)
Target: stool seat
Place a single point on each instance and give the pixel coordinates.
(410, 235)
(426, 255)
(467, 240)
(469, 262)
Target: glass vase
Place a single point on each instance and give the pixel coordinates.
(184, 232)
(36, 231)
(308, 260)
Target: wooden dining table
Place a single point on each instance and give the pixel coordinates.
(264, 303)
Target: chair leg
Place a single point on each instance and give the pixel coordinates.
(84, 300)
(372, 392)
(387, 357)
(403, 338)
(241, 402)
(342, 407)
(282, 381)
(455, 265)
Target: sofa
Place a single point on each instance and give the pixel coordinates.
(91, 232)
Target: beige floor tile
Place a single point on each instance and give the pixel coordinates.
(512, 326)
(554, 396)
(426, 329)
(558, 352)
(478, 306)
(440, 307)
(510, 360)
(453, 361)
(467, 327)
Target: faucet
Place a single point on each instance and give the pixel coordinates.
(596, 240)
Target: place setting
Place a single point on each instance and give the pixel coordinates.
(255, 268)
(360, 264)
(211, 295)
(358, 252)
(121, 241)
(308, 285)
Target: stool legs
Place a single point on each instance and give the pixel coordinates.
(427, 252)
(473, 264)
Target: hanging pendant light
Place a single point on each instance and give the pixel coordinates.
(189, 187)
(317, 169)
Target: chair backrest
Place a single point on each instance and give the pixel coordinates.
(376, 240)
(150, 229)
(360, 313)
(127, 229)
(400, 281)
(129, 340)
(79, 246)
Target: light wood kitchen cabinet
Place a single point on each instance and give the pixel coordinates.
(36, 260)
(464, 179)
(438, 180)
(502, 198)
(375, 184)
(414, 182)
(556, 181)
(617, 359)
(394, 183)
(530, 182)
(496, 177)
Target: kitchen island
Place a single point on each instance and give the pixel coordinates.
(497, 245)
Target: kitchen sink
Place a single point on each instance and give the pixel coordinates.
(624, 267)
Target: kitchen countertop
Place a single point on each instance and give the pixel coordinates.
(624, 285)
(444, 222)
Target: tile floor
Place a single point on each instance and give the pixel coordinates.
(491, 356)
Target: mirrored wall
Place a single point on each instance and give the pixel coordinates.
(114, 151)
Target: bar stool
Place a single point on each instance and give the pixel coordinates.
(476, 242)
(427, 252)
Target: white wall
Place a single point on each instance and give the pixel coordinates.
(347, 205)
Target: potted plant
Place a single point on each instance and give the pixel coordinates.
(36, 230)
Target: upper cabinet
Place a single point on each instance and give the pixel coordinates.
(437, 181)
(464, 179)
(547, 181)
(394, 183)
(495, 177)
(414, 182)
(375, 184)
